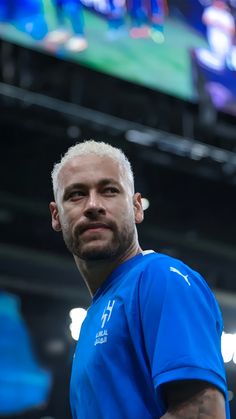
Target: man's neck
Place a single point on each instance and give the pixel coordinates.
(96, 272)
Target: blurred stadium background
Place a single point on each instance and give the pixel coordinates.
(151, 83)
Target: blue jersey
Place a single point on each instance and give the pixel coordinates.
(153, 321)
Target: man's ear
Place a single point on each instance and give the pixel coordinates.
(56, 225)
(138, 208)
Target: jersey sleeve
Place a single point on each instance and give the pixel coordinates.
(182, 326)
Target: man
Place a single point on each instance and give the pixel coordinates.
(149, 347)
(72, 11)
(220, 31)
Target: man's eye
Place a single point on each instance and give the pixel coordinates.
(76, 194)
(111, 190)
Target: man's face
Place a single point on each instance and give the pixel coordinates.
(96, 211)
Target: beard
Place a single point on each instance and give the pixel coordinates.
(97, 249)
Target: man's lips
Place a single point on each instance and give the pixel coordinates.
(93, 227)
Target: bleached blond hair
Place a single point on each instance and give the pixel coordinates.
(100, 149)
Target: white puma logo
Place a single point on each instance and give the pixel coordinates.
(179, 273)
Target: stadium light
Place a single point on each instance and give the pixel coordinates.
(228, 347)
(77, 316)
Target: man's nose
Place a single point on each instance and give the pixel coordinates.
(94, 205)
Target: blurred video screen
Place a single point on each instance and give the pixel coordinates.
(185, 48)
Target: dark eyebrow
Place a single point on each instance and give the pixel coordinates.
(107, 181)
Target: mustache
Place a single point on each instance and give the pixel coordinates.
(79, 229)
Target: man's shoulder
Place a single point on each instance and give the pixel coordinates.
(154, 267)
(163, 262)
(160, 267)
